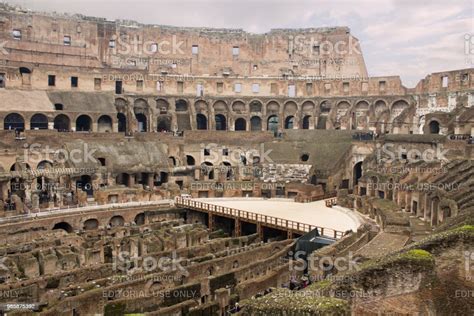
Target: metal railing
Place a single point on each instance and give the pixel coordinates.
(257, 218)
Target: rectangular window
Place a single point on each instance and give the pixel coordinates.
(382, 85)
(67, 40)
(2, 80)
(327, 87)
(225, 152)
(154, 48)
(112, 44)
(180, 86)
(365, 86)
(238, 87)
(291, 90)
(255, 88)
(345, 86)
(97, 84)
(118, 87)
(235, 51)
(316, 50)
(160, 86)
(309, 88)
(174, 65)
(74, 82)
(273, 88)
(207, 152)
(51, 80)
(195, 49)
(220, 87)
(199, 90)
(465, 77)
(17, 34)
(444, 81)
(139, 85)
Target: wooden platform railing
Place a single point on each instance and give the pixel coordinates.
(257, 218)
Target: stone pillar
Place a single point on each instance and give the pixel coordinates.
(131, 180)
(151, 180)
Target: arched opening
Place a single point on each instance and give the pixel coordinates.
(434, 127)
(445, 213)
(122, 122)
(139, 219)
(39, 121)
(163, 124)
(272, 124)
(64, 226)
(116, 221)
(190, 161)
(221, 124)
(201, 122)
(62, 123)
(306, 121)
(226, 169)
(83, 123)
(142, 122)
(181, 106)
(289, 122)
(91, 224)
(14, 121)
(255, 107)
(104, 124)
(207, 170)
(357, 173)
(240, 124)
(255, 123)
(85, 184)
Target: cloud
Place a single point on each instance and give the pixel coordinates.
(398, 37)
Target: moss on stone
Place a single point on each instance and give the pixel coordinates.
(286, 302)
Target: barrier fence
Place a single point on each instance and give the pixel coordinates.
(256, 218)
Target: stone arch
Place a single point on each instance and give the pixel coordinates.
(163, 123)
(190, 161)
(273, 107)
(64, 226)
(256, 106)
(273, 123)
(139, 219)
(104, 124)
(380, 106)
(44, 165)
(240, 124)
(201, 122)
(238, 107)
(397, 108)
(122, 122)
(360, 115)
(434, 127)
(121, 105)
(201, 106)
(39, 121)
(289, 122)
(208, 170)
(181, 105)
(13, 121)
(162, 106)
(356, 173)
(255, 123)
(62, 123)
(306, 122)
(142, 122)
(116, 221)
(221, 122)
(290, 108)
(220, 106)
(83, 123)
(308, 107)
(90, 224)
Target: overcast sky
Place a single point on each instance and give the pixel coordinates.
(410, 38)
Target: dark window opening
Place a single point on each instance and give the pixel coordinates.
(74, 82)
(51, 80)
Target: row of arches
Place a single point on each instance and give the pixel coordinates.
(240, 123)
(61, 122)
(93, 223)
